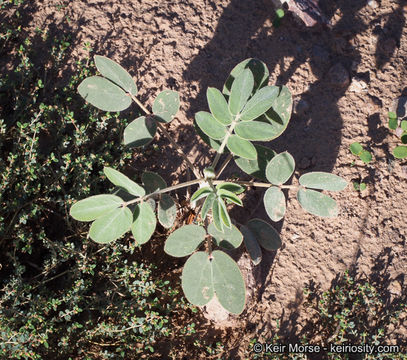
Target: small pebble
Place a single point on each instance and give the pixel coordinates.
(373, 4)
(338, 76)
(300, 106)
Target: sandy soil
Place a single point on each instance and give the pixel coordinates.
(345, 80)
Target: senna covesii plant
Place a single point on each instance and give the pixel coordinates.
(246, 110)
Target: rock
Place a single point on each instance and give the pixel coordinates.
(338, 76)
(373, 4)
(358, 85)
(399, 106)
(300, 106)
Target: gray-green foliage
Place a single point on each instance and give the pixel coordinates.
(247, 110)
(400, 127)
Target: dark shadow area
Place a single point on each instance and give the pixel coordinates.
(389, 35)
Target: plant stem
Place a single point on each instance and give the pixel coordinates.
(225, 140)
(223, 166)
(258, 184)
(167, 189)
(168, 136)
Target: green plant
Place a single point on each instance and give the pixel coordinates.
(364, 155)
(353, 311)
(246, 110)
(400, 128)
(61, 295)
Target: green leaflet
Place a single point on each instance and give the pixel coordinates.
(140, 132)
(274, 203)
(185, 240)
(167, 211)
(166, 105)
(280, 168)
(261, 101)
(317, 203)
(104, 94)
(115, 73)
(144, 223)
(323, 181)
(255, 131)
(242, 88)
(95, 206)
(121, 180)
(265, 234)
(111, 226)
(257, 167)
(228, 239)
(219, 106)
(201, 193)
(210, 126)
(241, 147)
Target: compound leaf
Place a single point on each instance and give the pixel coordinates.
(257, 167)
(166, 105)
(185, 240)
(115, 73)
(95, 206)
(197, 279)
(104, 94)
(252, 246)
(274, 203)
(228, 282)
(242, 148)
(210, 126)
(167, 211)
(280, 168)
(229, 239)
(121, 180)
(218, 106)
(111, 226)
(144, 223)
(261, 101)
(323, 181)
(317, 203)
(265, 234)
(140, 132)
(242, 87)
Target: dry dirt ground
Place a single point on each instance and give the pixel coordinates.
(344, 79)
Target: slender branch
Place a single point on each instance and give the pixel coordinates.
(258, 184)
(225, 140)
(223, 166)
(197, 181)
(162, 191)
(168, 136)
